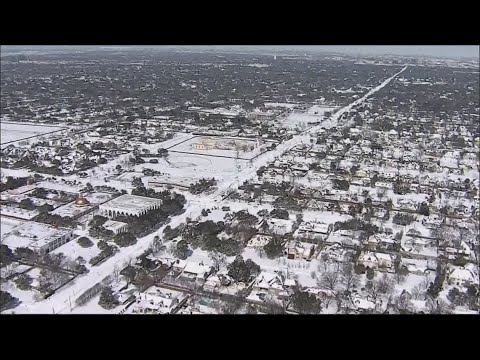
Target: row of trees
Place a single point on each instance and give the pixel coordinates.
(202, 186)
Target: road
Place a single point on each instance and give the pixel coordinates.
(60, 302)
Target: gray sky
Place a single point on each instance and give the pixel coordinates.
(455, 51)
(447, 51)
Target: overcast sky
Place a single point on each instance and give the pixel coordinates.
(423, 50)
(447, 51)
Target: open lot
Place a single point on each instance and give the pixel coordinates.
(18, 131)
(184, 169)
(314, 114)
(242, 148)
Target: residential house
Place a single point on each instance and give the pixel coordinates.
(463, 276)
(376, 260)
(296, 250)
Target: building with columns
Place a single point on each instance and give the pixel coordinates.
(129, 205)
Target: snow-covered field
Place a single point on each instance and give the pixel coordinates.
(222, 147)
(285, 105)
(18, 131)
(314, 114)
(185, 168)
(7, 224)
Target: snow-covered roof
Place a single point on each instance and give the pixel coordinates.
(113, 225)
(194, 268)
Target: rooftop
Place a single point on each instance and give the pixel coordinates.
(132, 202)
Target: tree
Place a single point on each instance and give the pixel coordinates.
(437, 306)
(27, 204)
(403, 304)
(273, 248)
(6, 255)
(125, 239)
(97, 221)
(299, 219)
(45, 208)
(242, 271)
(423, 209)
(23, 282)
(329, 280)
(370, 273)
(349, 278)
(130, 273)
(279, 214)
(385, 284)
(162, 152)
(85, 242)
(107, 299)
(181, 249)
(219, 260)
(306, 303)
(6, 300)
(137, 182)
(24, 253)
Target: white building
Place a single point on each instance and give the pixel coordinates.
(131, 205)
(37, 237)
(116, 227)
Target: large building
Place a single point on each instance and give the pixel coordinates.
(37, 236)
(130, 205)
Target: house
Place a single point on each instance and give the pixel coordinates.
(415, 266)
(154, 301)
(384, 240)
(279, 226)
(259, 241)
(213, 283)
(178, 266)
(362, 305)
(463, 276)
(313, 230)
(321, 294)
(268, 282)
(376, 260)
(194, 271)
(297, 250)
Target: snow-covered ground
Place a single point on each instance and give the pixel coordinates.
(18, 131)
(314, 114)
(60, 301)
(223, 146)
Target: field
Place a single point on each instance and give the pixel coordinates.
(314, 114)
(17, 131)
(7, 225)
(242, 148)
(183, 169)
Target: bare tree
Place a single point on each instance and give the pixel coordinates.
(324, 258)
(385, 285)
(403, 304)
(329, 280)
(116, 273)
(219, 260)
(418, 292)
(349, 279)
(437, 306)
(372, 290)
